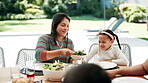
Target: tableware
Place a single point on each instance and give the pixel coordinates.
(106, 65)
(30, 69)
(129, 80)
(77, 57)
(38, 69)
(15, 71)
(56, 75)
(39, 66)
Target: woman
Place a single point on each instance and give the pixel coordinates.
(56, 45)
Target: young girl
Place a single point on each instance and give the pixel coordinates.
(105, 49)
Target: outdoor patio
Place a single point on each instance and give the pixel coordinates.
(12, 42)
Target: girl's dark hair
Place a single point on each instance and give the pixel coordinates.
(114, 36)
(87, 73)
(57, 18)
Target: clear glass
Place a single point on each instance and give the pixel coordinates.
(15, 71)
(30, 69)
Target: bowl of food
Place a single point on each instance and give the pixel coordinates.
(78, 55)
(55, 71)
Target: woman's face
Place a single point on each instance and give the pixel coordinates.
(104, 42)
(63, 27)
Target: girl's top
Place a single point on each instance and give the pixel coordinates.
(46, 43)
(113, 53)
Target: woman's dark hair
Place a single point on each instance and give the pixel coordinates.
(114, 36)
(57, 18)
(87, 73)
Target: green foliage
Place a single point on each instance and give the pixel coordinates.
(32, 6)
(89, 6)
(133, 13)
(53, 6)
(47, 10)
(34, 11)
(36, 2)
(112, 12)
(22, 16)
(20, 7)
(59, 8)
(8, 6)
(2, 8)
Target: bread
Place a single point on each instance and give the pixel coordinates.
(22, 80)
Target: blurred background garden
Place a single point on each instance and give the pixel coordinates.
(36, 15)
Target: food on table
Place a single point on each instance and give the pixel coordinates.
(57, 66)
(22, 80)
(79, 53)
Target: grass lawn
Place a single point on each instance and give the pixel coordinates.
(138, 30)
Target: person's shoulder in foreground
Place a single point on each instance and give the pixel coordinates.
(141, 69)
(86, 73)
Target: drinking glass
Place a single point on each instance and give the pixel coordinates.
(30, 69)
(15, 71)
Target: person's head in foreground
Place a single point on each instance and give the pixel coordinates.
(106, 39)
(86, 73)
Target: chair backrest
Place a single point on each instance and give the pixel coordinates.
(110, 22)
(2, 59)
(107, 25)
(25, 55)
(125, 50)
(117, 24)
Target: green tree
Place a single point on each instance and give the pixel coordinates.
(89, 6)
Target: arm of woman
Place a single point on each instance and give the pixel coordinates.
(141, 69)
(55, 53)
(42, 53)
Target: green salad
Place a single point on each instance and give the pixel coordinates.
(79, 53)
(57, 66)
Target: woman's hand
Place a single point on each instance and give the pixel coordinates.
(66, 52)
(112, 73)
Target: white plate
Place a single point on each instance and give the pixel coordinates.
(38, 66)
(55, 80)
(129, 80)
(106, 65)
(77, 57)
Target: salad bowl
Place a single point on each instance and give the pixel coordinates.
(78, 55)
(55, 71)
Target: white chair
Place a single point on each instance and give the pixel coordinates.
(124, 47)
(2, 59)
(25, 55)
(117, 24)
(107, 25)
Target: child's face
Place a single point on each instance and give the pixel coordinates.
(104, 42)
